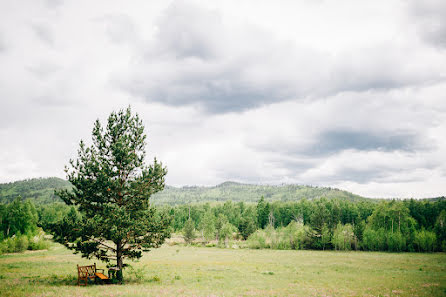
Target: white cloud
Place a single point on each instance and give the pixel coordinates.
(335, 93)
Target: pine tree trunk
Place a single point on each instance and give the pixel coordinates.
(119, 261)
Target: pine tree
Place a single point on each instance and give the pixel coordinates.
(111, 189)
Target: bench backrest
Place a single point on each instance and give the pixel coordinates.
(86, 271)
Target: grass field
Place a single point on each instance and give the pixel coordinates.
(195, 271)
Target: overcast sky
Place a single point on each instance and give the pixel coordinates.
(348, 94)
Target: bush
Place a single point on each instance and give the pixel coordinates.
(296, 235)
(257, 240)
(14, 244)
(425, 240)
(293, 236)
(20, 243)
(38, 242)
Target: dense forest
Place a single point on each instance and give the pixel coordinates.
(276, 219)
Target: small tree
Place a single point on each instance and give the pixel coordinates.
(111, 190)
(189, 231)
(325, 236)
(246, 227)
(226, 232)
(220, 221)
(207, 226)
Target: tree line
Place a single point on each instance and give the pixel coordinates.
(396, 225)
(321, 224)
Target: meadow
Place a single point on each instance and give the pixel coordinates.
(178, 270)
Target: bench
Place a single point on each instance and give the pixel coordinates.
(84, 273)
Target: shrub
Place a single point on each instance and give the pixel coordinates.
(296, 235)
(21, 243)
(425, 240)
(38, 242)
(14, 244)
(293, 236)
(257, 240)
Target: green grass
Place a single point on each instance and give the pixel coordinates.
(195, 271)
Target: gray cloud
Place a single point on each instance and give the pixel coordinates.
(43, 32)
(333, 141)
(198, 59)
(368, 175)
(360, 176)
(330, 142)
(430, 16)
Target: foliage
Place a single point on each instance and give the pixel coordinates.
(396, 241)
(381, 226)
(221, 221)
(384, 226)
(325, 236)
(263, 212)
(440, 230)
(294, 236)
(111, 189)
(20, 243)
(189, 231)
(51, 213)
(18, 218)
(246, 227)
(226, 232)
(425, 240)
(207, 226)
(343, 237)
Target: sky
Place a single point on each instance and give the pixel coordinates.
(344, 93)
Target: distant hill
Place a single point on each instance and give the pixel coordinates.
(41, 191)
(247, 193)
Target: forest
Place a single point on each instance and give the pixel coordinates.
(318, 224)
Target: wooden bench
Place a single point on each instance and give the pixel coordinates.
(84, 273)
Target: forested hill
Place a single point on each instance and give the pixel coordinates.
(40, 190)
(247, 193)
